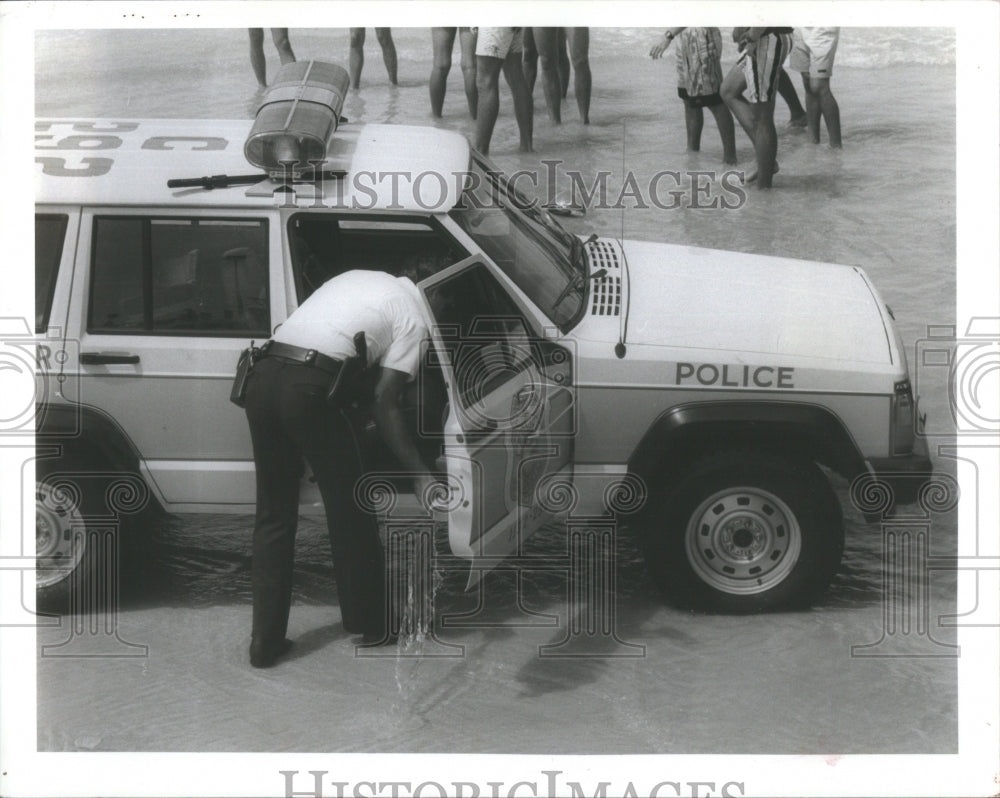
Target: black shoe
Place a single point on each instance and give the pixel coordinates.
(264, 656)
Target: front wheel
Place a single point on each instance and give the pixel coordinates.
(744, 532)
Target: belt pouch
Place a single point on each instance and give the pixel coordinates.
(245, 364)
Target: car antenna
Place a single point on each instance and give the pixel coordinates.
(623, 327)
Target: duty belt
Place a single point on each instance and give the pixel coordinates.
(301, 355)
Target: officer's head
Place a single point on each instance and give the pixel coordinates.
(420, 266)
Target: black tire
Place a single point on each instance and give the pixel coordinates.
(745, 531)
(75, 513)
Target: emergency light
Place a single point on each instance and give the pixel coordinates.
(297, 118)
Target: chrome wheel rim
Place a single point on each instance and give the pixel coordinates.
(743, 540)
(59, 541)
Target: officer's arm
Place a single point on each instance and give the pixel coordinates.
(389, 420)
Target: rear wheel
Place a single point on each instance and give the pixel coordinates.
(745, 531)
(59, 543)
(80, 513)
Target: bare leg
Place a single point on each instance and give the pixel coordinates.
(488, 106)
(755, 121)
(765, 142)
(563, 57)
(467, 42)
(257, 60)
(384, 36)
(727, 130)
(818, 90)
(442, 41)
(546, 40)
(284, 47)
(733, 86)
(357, 61)
(524, 110)
(694, 118)
(529, 59)
(579, 53)
(787, 91)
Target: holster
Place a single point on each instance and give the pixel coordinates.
(348, 386)
(248, 358)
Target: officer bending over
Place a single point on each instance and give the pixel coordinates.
(291, 418)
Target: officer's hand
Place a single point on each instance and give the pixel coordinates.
(431, 493)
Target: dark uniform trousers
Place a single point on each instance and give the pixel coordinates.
(290, 419)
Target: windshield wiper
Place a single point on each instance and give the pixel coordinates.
(576, 247)
(579, 277)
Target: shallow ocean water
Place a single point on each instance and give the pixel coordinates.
(780, 683)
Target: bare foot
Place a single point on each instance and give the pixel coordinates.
(752, 176)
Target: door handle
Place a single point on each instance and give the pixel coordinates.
(104, 358)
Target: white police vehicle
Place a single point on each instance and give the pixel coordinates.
(720, 387)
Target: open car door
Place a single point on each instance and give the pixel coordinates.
(511, 416)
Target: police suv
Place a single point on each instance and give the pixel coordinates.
(565, 376)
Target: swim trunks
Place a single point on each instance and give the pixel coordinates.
(699, 66)
(762, 66)
(498, 42)
(813, 50)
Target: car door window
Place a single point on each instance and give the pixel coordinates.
(50, 233)
(484, 330)
(179, 276)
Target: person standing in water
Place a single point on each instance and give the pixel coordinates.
(699, 79)
(500, 49)
(763, 51)
(547, 47)
(357, 59)
(443, 41)
(257, 59)
(813, 50)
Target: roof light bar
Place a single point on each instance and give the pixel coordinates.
(297, 118)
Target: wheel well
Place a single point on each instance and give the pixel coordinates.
(87, 431)
(688, 432)
(76, 437)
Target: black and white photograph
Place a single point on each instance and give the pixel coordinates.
(533, 410)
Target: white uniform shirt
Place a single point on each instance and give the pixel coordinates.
(389, 309)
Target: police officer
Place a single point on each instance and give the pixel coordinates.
(291, 419)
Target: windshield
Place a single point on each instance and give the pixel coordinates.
(543, 260)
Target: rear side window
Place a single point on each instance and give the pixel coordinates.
(50, 233)
(179, 276)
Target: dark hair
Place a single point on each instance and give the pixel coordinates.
(420, 266)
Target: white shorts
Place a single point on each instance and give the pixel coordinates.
(498, 42)
(813, 50)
